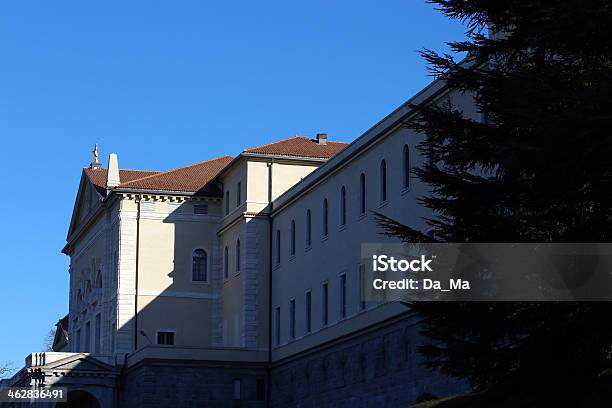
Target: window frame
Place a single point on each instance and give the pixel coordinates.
(343, 206)
(292, 246)
(238, 257)
(308, 228)
(206, 264)
(165, 331)
(325, 219)
(383, 182)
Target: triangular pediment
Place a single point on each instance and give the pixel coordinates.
(80, 362)
(87, 200)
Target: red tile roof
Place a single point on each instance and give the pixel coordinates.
(299, 146)
(98, 176)
(190, 179)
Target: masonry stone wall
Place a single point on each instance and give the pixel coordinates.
(377, 368)
(170, 384)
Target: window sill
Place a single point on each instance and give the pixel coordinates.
(362, 216)
(383, 204)
(308, 248)
(200, 282)
(342, 227)
(324, 238)
(406, 190)
(292, 258)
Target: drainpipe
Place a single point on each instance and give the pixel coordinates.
(269, 369)
(138, 199)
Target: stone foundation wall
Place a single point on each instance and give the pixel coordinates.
(377, 368)
(168, 384)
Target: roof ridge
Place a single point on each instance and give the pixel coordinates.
(278, 141)
(173, 170)
(141, 170)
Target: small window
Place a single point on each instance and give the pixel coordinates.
(362, 194)
(308, 228)
(87, 337)
(98, 333)
(200, 209)
(292, 237)
(98, 283)
(226, 263)
(238, 194)
(226, 202)
(362, 287)
(165, 338)
(325, 304)
(343, 206)
(199, 272)
(238, 255)
(325, 218)
(237, 389)
(278, 247)
(277, 324)
(292, 319)
(343, 295)
(308, 312)
(406, 167)
(383, 181)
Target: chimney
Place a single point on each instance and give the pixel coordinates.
(112, 176)
(322, 138)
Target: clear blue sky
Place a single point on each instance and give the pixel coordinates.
(165, 84)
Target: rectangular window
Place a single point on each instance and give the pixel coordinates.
(200, 209)
(112, 341)
(78, 341)
(237, 389)
(362, 303)
(343, 295)
(165, 338)
(238, 194)
(278, 247)
(292, 319)
(98, 328)
(261, 389)
(308, 311)
(87, 347)
(226, 202)
(325, 304)
(277, 323)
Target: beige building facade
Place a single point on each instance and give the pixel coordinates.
(237, 280)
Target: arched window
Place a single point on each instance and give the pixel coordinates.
(98, 283)
(292, 237)
(308, 228)
(226, 263)
(325, 217)
(383, 181)
(238, 255)
(79, 295)
(278, 247)
(362, 194)
(198, 267)
(343, 206)
(88, 286)
(406, 167)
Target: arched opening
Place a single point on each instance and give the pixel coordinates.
(79, 399)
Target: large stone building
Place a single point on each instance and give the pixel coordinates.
(236, 281)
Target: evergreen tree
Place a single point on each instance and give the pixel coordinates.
(537, 169)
